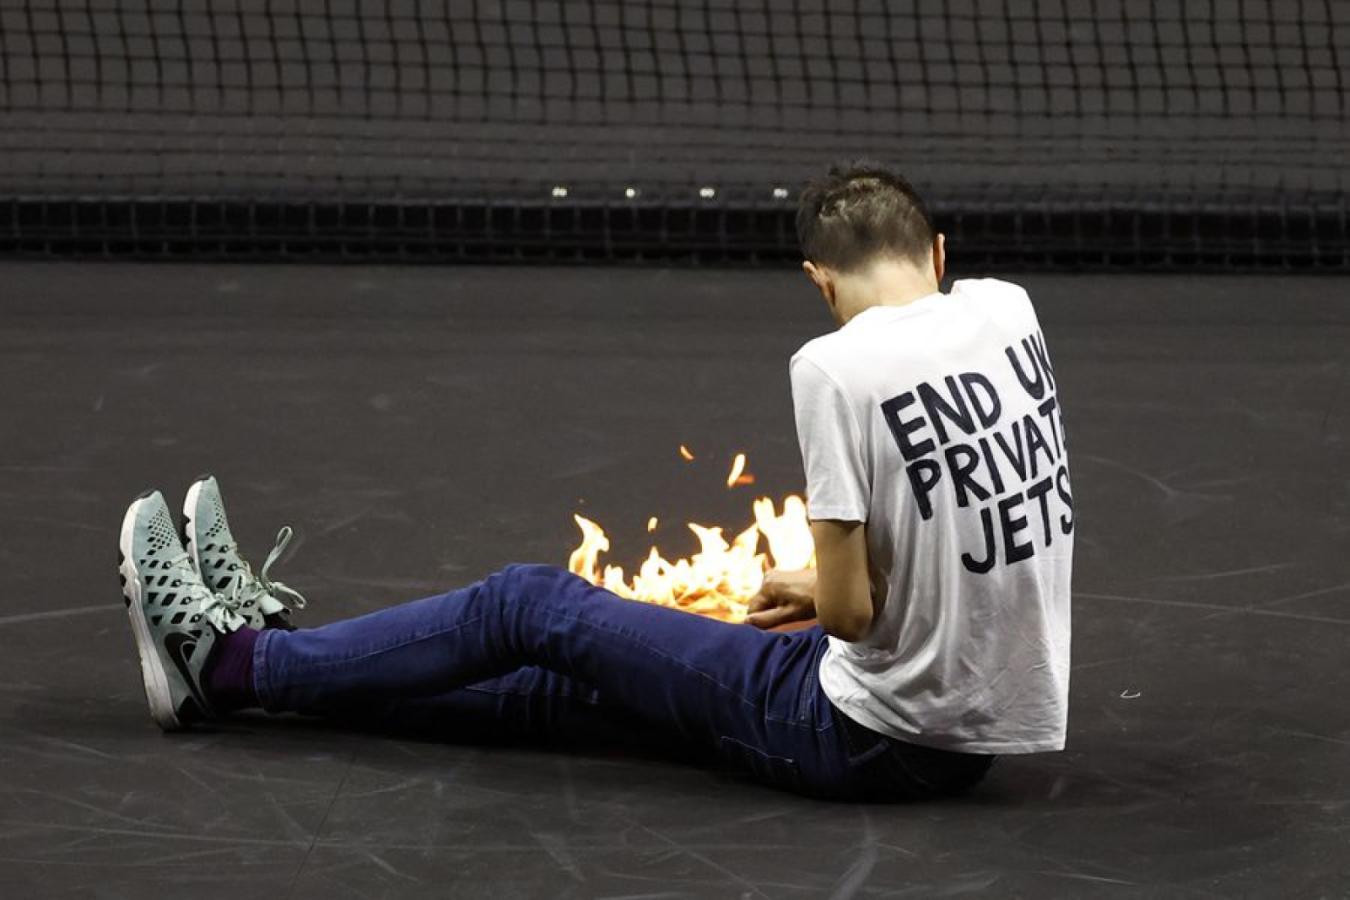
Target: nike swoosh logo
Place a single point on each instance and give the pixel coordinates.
(175, 643)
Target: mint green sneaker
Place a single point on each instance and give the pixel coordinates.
(215, 553)
(174, 617)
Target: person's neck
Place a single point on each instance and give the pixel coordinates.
(886, 283)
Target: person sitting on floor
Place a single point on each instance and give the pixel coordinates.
(938, 491)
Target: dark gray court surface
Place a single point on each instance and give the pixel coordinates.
(422, 427)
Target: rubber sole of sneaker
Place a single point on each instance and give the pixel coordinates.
(153, 673)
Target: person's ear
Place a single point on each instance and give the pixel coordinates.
(940, 256)
(821, 279)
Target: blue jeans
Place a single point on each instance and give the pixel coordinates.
(534, 651)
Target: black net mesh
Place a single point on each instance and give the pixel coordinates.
(1075, 132)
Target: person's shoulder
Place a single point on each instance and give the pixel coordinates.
(998, 297)
(820, 365)
(821, 352)
(991, 289)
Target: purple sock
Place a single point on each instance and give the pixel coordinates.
(229, 675)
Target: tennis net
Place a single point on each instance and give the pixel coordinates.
(1045, 133)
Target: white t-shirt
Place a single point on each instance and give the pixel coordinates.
(937, 424)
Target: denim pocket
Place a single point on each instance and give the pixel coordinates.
(885, 769)
(861, 745)
(779, 771)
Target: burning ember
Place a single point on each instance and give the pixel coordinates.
(717, 581)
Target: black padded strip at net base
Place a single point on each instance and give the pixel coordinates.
(1052, 132)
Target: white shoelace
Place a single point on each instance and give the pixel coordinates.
(215, 608)
(248, 586)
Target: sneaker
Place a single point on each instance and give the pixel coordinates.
(174, 617)
(215, 553)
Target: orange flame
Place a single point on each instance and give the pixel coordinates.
(737, 467)
(717, 581)
(684, 452)
(651, 524)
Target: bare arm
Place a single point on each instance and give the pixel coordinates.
(837, 592)
(843, 589)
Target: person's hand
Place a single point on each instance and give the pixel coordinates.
(784, 597)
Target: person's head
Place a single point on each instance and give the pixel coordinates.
(867, 239)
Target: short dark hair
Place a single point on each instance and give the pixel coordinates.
(860, 210)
